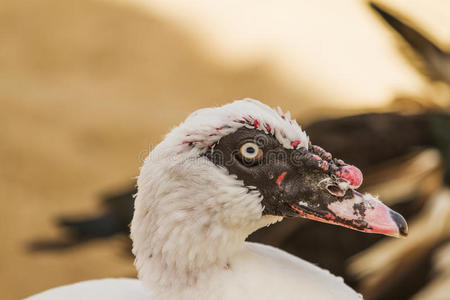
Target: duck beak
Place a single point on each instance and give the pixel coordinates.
(329, 195)
(359, 212)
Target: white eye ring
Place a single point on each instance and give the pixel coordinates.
(251, 151)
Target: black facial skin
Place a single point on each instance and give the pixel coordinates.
(301, 180)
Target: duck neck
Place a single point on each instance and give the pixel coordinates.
(175, 251)
(183, 230)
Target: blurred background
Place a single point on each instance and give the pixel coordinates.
(88, 87)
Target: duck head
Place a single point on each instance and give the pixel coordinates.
(257, 162)
(303, 180)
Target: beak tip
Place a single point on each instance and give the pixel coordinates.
(400, 222)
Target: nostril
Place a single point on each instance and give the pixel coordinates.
(335, 190)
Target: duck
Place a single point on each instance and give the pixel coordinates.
(216, 178)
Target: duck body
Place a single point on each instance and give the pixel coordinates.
(256, 272)
(264, 272)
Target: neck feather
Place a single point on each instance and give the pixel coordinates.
(182, 231)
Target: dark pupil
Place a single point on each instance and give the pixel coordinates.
(250, 150)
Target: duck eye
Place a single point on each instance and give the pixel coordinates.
(251, 151)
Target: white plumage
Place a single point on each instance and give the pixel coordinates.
(192, 218)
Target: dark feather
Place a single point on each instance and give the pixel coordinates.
(435, 62)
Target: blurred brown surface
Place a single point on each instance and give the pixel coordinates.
(86, 87)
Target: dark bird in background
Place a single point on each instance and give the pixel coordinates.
(114, 218)
(386, 146)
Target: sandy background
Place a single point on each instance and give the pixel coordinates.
(86, 88)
